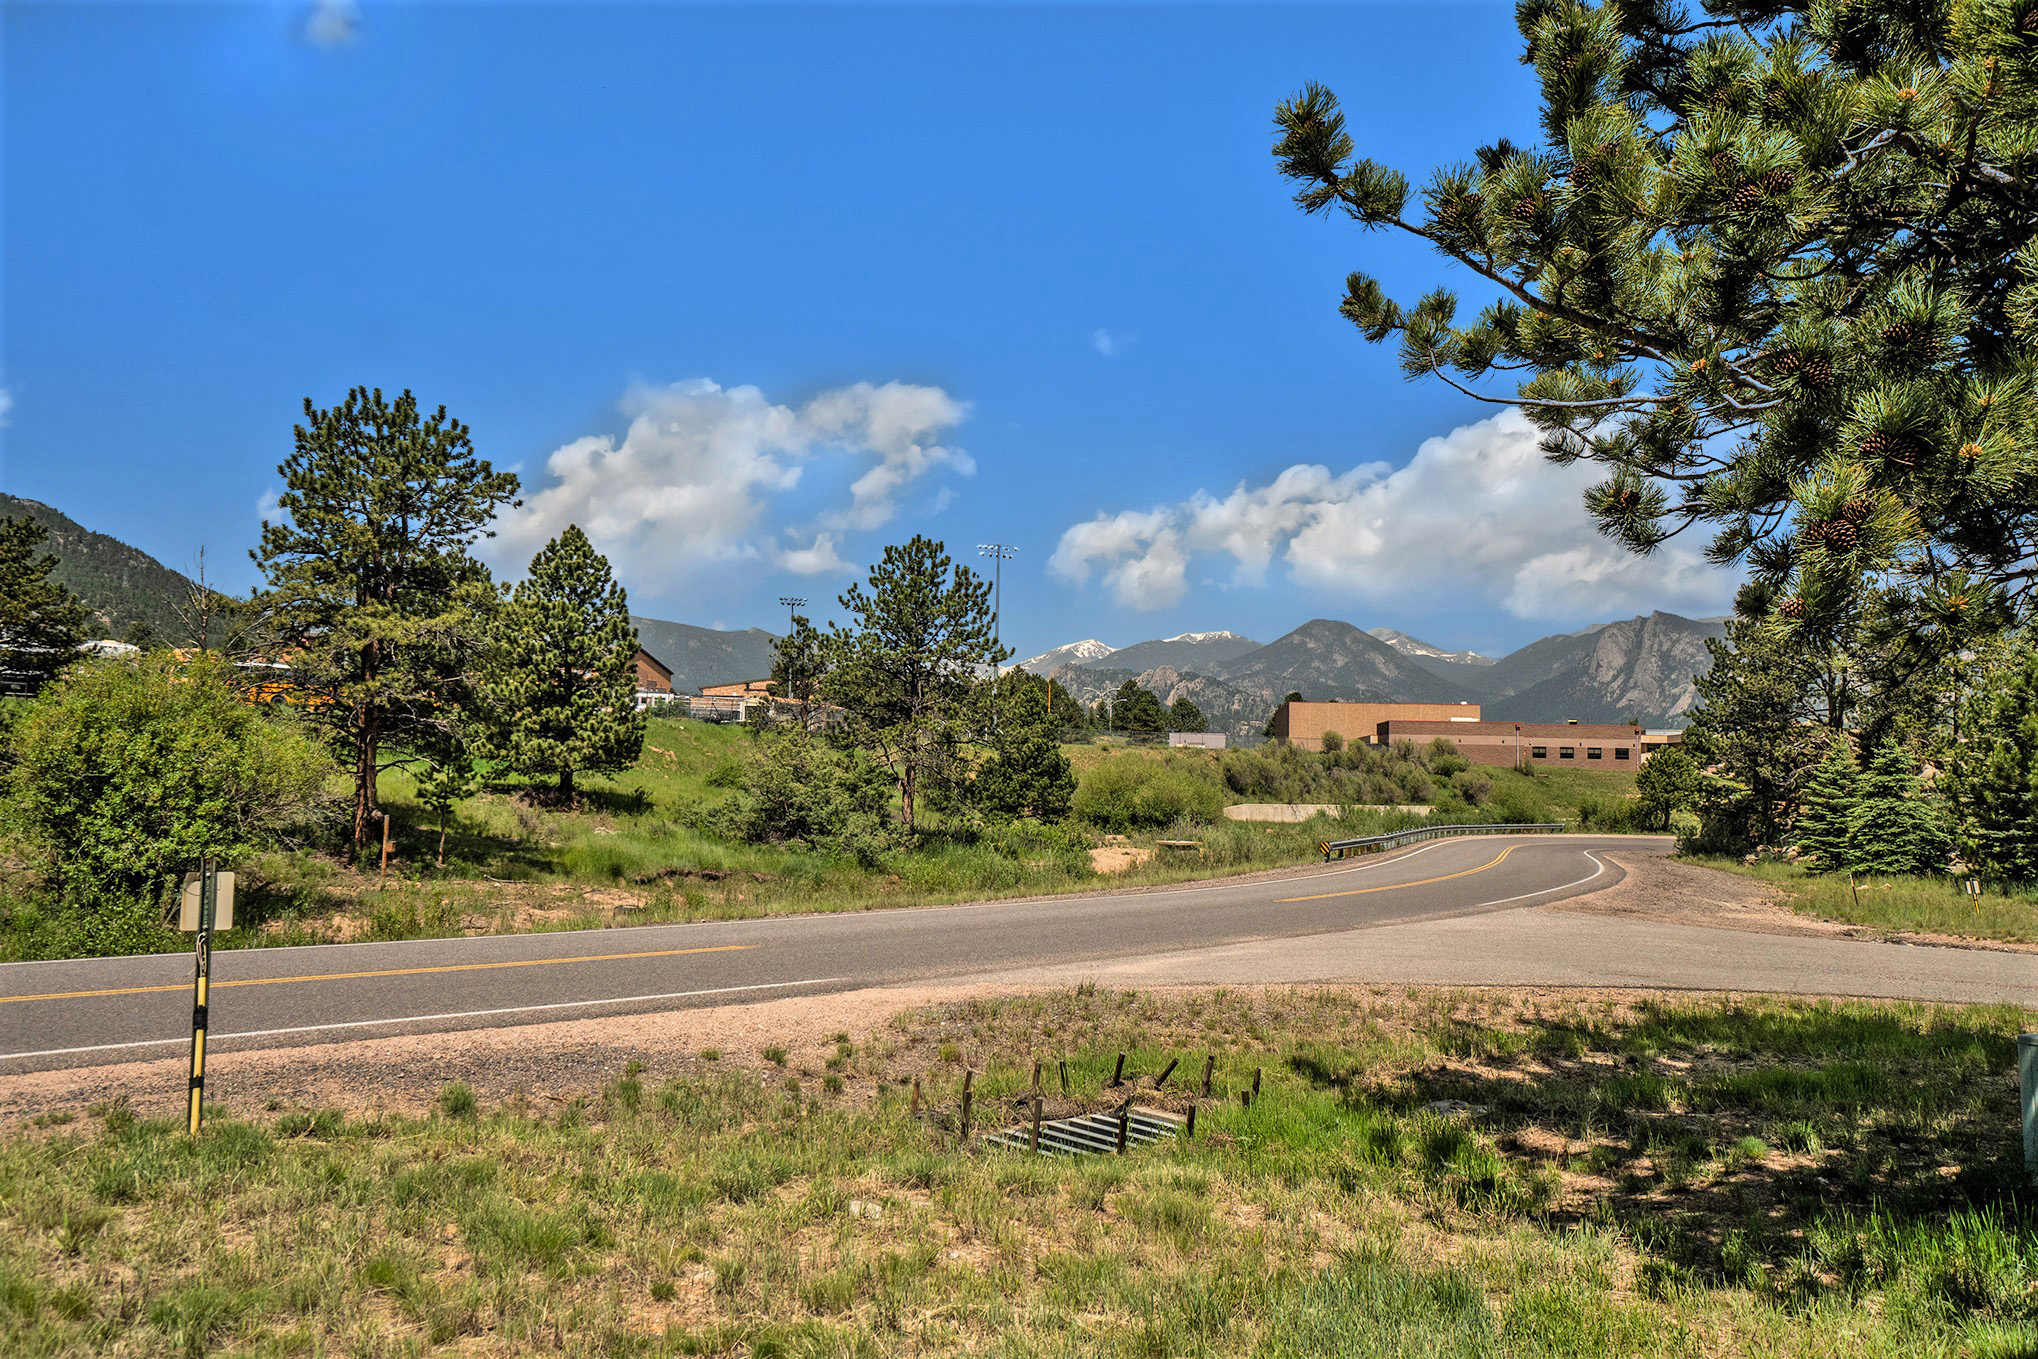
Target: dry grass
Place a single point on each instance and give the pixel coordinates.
(1691, 1177)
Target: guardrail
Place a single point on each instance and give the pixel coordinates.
(1370, 844)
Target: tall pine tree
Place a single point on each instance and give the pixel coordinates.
(1771, 266)
(41, 622)
(1995, 783)
(377, 603)
(1895, 827)
(561, 683)
(1825, 819)
(902, 669)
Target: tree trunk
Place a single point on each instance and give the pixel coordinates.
(366, 750)
(566, 785)
(906, 799)
(442, 839)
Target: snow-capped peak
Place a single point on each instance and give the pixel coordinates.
(1207, 637)
(1075, 653)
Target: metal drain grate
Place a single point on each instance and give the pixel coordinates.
(1089, 1134)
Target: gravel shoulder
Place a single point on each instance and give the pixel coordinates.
(1663, 889)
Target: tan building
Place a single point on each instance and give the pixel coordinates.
(1303, 724)
(653, 675)
(1517, 745)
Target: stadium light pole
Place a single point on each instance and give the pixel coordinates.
(791, 602)
(999, 553)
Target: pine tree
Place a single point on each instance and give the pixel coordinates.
(41, 622)
(1137, 710)
(902, 668)
(1995, 783)
(1825, 819)
(796, 660)
(447, 776)
(562, 681)
(1027, 774)
(1895, 829)
(1757, 733)
(381, 611)
(1772, 268)
(1184, 715)
(1667, 784)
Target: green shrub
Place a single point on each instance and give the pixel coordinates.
(126, 772)
(1127, 794)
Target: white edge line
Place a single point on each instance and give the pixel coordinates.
(1545, 891)
(216, 1038)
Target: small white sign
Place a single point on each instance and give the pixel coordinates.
(222, 906)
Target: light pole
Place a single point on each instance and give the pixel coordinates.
(790, 603)
(999, 553)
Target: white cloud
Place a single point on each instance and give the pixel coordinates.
(695, 477)
(1477, 516)
(269, 507)
(6, 406)
(332, 23)
(819, 560)
(1108, 344)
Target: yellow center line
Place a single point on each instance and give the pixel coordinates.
(1397, 886)
(380, 972)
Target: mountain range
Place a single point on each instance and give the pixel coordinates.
(1635, 668)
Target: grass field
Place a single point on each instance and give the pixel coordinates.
(1684, 1178)
(1896, 905)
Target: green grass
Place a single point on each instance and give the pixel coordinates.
(703, 1211)
(1895, 905)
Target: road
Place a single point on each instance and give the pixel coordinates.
(1460, 911)
(87, 1011)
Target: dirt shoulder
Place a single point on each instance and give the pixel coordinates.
(1660, 888)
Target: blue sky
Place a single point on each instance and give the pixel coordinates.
(750, 291)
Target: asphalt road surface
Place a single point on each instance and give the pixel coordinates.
(90, 1011)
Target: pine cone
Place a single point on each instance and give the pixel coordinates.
(1746, 198)
(1902, 449)
(1791, 608)
(1779, 181)
(1525, 210)
(1857, 510)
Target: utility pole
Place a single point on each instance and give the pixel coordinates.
(999, 553)
(791, 603)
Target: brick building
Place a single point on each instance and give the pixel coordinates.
(1303, 724)
(1517, 745)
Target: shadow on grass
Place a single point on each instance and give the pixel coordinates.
(1793, 1146)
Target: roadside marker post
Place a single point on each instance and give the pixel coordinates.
(2027, 1091)
(205, 903)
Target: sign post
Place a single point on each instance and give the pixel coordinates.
(206, 903)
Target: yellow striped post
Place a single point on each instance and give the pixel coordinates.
(208, 902)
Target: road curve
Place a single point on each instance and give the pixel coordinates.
(85, 1012)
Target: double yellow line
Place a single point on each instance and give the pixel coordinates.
(379, 972)
(1398, 886)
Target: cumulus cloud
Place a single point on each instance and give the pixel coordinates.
(1477, 515)
(6, 406)
(332, 23)
(697, 476)
(1108, 344)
